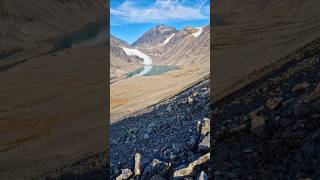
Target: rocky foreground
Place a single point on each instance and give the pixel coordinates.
(170, 140)
(167, 141)
(271, 128)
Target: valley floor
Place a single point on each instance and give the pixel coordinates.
(133, 94)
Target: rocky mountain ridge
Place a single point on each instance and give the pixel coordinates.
(155, 36)
(166, 46)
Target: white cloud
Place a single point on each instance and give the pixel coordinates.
(160, 12)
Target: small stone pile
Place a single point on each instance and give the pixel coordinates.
(175, 167)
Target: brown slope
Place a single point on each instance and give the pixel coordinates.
(257, 34)
(188, 49)
(32, 20)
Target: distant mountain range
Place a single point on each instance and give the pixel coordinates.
(165, 45)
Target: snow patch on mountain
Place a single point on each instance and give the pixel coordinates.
(134, 52)
(196, 34)
(167, 40)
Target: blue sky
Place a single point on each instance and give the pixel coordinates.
(129, 19)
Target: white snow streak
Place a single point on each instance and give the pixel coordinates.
(167, 40)
(146, 59)
(196, 34)
(134, 52)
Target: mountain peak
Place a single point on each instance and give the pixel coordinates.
(163, 28)
(156, 35)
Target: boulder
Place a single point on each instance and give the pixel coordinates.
(257, 121)
(125, 174)
(155, 167)
(300, 87)
(204, 145)
(198, 126)
(205, 128)
(189, 170)
(137, 164)
(190, 100)
(274, 103)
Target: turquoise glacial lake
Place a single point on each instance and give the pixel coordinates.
(155, 70)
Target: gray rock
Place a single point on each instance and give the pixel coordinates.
(192, 157)
(300, 87)
(192, 144)
(195, 94)
(205, 128)
(157, 177)
(274, 103)
(146, 136)
(137, 164)
(151, 127)
(257, 122)
(204, 145)
(125, 174)
(190, 100)
(169, 108)
(155, 167)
